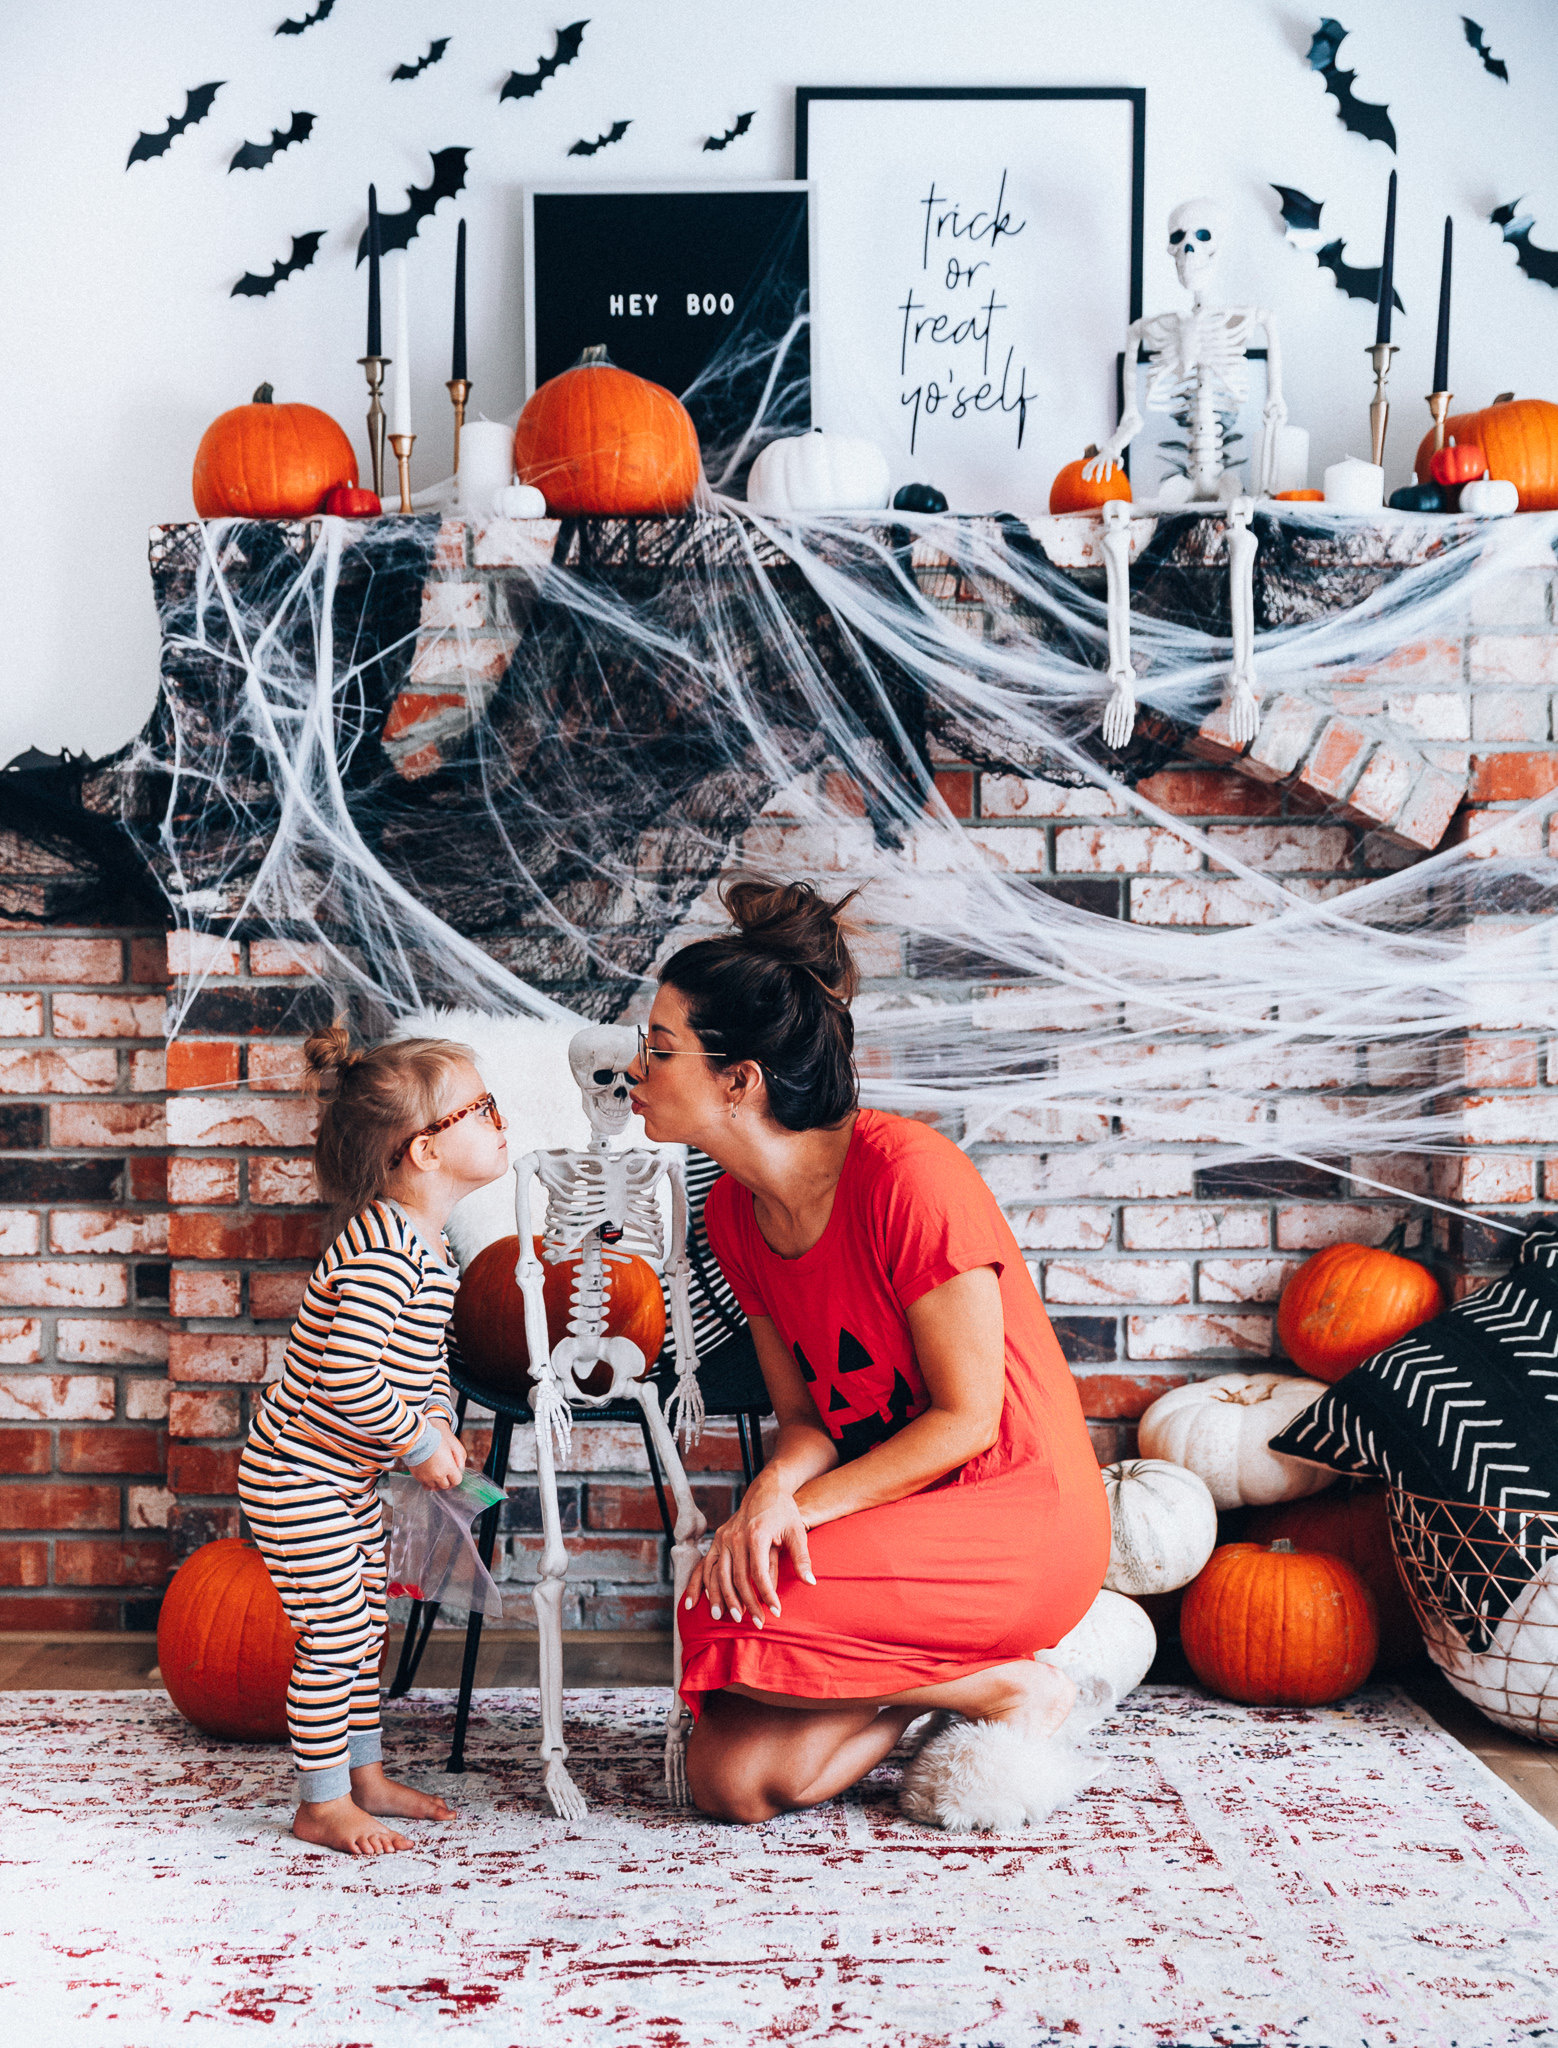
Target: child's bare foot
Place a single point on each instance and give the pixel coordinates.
(342, 1824)
(375, 1793)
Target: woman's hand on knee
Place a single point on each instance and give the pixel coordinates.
(738, 1571)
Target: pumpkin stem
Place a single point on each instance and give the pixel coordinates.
(594, 354)
(266, 395)
(1284, 1545)
(1089, 451)
(1505, 398)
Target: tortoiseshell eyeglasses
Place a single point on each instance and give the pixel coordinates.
(484, 1105)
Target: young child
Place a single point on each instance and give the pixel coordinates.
(409, 1129)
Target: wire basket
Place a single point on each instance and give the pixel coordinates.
(1483, 1583)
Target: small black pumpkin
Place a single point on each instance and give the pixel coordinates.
(1418, 498)
(919, 498)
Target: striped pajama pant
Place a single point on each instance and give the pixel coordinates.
(324, 1547)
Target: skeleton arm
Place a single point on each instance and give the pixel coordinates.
(1105, 461)
(687, 1395)
(547, 1402)
(1274, 412)
(1120, 712)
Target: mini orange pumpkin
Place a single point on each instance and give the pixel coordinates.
(1519, 437)
(1278, 1627)
(224, 1645)
(269, 461)
(489, 1312)
(1350, 1301)
(1352, 1525)
(1073, 492)
(598, 439)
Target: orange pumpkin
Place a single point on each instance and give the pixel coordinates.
(1350, 1301)
(599, 439)
(1351, 1525)
(1301, 497)
(224, 1646)
(1073, 492)
(489, 1313)
(269, 461)
(1278, 1627)
(1519, 437)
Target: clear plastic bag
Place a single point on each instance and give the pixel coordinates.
(431, 1552)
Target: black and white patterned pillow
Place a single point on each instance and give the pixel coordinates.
(1463, 1410)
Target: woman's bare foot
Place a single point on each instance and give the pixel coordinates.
(341, 1824)
(375, 1793)
(1031, 1699)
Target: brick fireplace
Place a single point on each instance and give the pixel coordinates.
(156, 1212)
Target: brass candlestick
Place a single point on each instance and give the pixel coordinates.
(373, 369)
(459, 389)
(402, 444)
(1379, 354)
(1439, 406)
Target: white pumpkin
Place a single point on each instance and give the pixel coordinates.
(819, 472)
(1490, 497)
(1515, 1680)
(519, 501)
(1163, 1524)
(1220, 1428)
(1106, 1655)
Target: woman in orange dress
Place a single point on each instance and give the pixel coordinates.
(932, 1512)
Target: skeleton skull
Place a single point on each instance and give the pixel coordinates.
(1196, 232)
(600, 1058)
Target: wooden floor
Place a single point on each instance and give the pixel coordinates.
(106, 1663)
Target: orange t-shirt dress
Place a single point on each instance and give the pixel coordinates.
(989, 1563)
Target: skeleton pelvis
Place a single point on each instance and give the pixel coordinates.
(598, 1367)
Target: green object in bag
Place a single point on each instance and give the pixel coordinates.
(478, 1487)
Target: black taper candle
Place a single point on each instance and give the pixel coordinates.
(375, 336)
(457, 366)
(1387, 268)
(1442, 340)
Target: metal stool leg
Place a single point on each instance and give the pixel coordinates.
(497, 1463)
(419, 1626)
(749, 1433)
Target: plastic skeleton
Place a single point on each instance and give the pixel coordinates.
(1199, 357)
(600, 1204)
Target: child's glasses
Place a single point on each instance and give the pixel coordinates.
(484, 1106)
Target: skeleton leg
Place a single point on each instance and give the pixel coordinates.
(690, 1525)
(1120, 711)
(1243, 714)
(567, 1800)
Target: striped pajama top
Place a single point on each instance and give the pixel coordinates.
(365, 1366)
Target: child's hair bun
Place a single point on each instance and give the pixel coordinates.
(328, 1052)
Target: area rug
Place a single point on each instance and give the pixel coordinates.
(1344, 1878)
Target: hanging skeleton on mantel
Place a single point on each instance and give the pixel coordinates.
(600, 1206)
(1198, 367)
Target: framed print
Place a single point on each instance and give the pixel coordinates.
(1159, 450)
(977, 260)
(692, 286)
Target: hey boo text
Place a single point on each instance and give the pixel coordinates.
(641, 305)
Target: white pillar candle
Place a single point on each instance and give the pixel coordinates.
(1290, 471)
(400, 408)
(486, 464)
(1354, 486)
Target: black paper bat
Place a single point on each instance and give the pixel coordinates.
(524, 85)
(254, 156)
(614, 133)
(197, 104)
(434, 52)
(1298, 209)
(743, 123)
(397, 229)
(1359, 117)
(1541, 264)
(302, 253)
(1491, 63)
(1357, 284)
(296, 28)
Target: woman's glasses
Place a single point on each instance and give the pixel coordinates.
(647, 1052)
(484, 1106)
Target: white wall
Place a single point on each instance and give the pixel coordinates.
(119, 340)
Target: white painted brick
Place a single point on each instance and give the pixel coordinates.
(1431, 714)
(1014, 849)
(1197, 1336)
(150, 1507)
(1194, 1229)
(1236, 1280)
(1123, 850)
(1090, 1175)
(1310, 1226)
(1067, 1123)
(1028, 796)
(55, 1397)
(1066, 1227)
(145, 1399)
(18, 1233)
(1285, 849)
(1113, 1281)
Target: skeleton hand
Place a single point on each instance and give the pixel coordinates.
(1274, 413)
(686, 1400)
(549, 1406)
(1103, 464)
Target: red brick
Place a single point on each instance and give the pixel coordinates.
(717, 1450)
(24, 1564)
(204, 1414)
(1512, 778)
(107, 1123)
(148, 1179)
(1287, 725)
(1337, 758)
(622, 1559)
(197, 1292)
(202, 1063)
(91, 1340)
(277, 1065)
(276, 1297)
(58, 1283)
(67, 1616)
(202, 1181)
(107, 1230)
(1112, 1441)
(36, 961)
(124, 1561)
(82, 1016)
(56, 1506)
(149, 959)
(25, 1450)
(956, 786)
(222, 1358)
(203, 1468)
(145, 1398)
(610, 1506)
(1113, 1396)
(1382, 788)
(111, 1450)
(638, 1611)
(194, 1235)
(1210, 793)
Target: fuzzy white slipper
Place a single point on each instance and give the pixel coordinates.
(981, 1775)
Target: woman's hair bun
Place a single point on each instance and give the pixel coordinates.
(794, 923)
(328, 1051)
